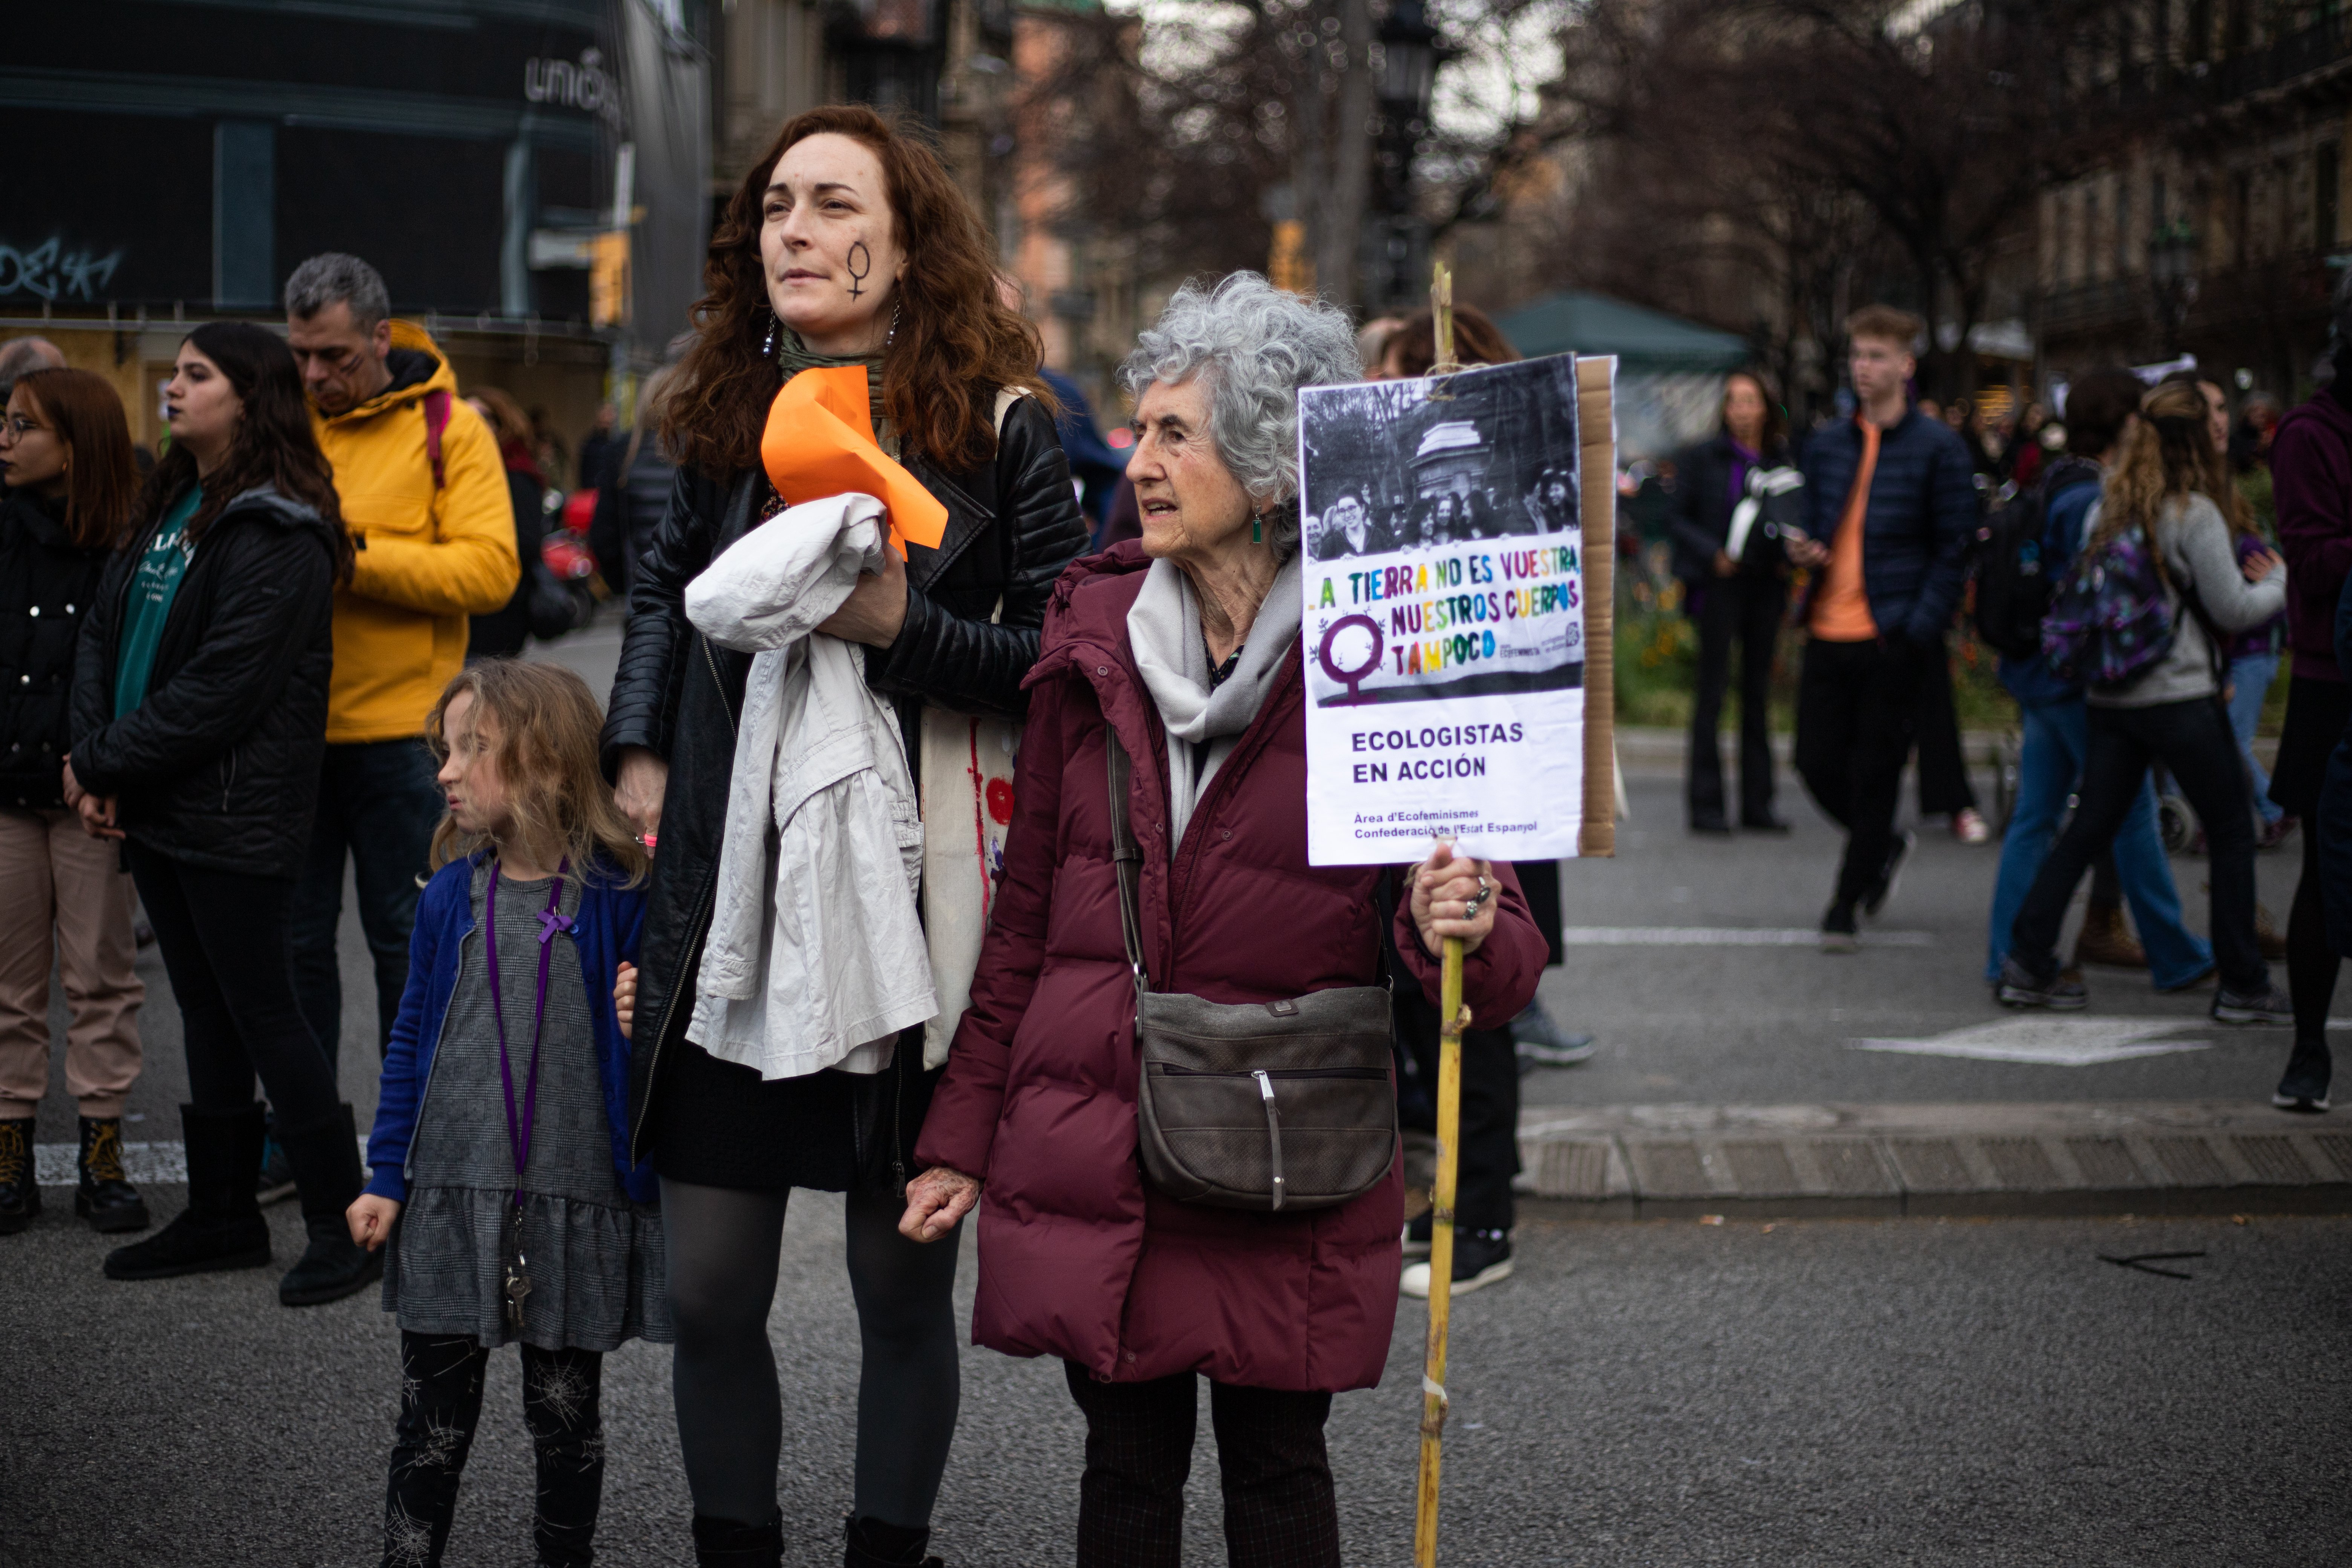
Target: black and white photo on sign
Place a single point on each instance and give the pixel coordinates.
(1443, 612)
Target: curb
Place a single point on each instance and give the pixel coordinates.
(1772, 1162)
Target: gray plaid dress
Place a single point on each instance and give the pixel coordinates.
(595, 1258)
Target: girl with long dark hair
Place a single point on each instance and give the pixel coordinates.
(2169, 484)
(64, 456)
(847, 245)
(200, 704)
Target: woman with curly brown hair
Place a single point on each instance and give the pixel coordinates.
(847, 245)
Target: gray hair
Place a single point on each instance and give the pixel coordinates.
(324, 280)
(20, 357)
(1257, 345)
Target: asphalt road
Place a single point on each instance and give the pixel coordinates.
(1668, 1393)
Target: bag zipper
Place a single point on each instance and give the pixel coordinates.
(1169, 1069)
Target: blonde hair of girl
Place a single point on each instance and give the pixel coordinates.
(2167, 452)
(543, 725)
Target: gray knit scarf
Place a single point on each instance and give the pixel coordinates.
(1204, 724)
(793, 356)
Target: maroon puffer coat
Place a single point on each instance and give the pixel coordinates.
(1079, 1257)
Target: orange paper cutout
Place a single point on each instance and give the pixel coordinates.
(820, 442)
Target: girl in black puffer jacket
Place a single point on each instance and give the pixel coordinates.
(65, 454)
(200, 715)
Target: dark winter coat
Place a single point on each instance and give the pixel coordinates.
(2311, 483)
(506, 630)
(219, 766)
(1923, 511)
(47, 584)
(1700, 523)
(1012, 524)
(1078, 1256)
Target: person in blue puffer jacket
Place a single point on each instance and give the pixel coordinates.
(503, 1195)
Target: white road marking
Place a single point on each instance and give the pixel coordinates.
(2053, 1042)
(1726, 936)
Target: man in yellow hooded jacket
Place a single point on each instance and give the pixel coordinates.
(425, 497)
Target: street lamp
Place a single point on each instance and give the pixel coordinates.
(1410, 52)
(2172, 273)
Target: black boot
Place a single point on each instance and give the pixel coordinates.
(874, 1544)
(20, 1191)
(222, 1227)
(326, 1158)
(105, 1196)
(723, 1543)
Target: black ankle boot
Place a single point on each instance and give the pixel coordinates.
(222, 1227)
(20, 1190)
(326, 1160)
(874, 1544)
(723, 1543)
(105, 1196)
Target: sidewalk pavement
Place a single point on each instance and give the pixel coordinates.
(1766, 1162)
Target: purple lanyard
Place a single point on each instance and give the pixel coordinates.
(549, 923)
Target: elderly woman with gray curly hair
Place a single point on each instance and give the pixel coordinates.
(1172, 664)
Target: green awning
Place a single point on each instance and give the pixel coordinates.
(1642, 339)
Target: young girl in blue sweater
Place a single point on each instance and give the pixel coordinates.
(503, 1193)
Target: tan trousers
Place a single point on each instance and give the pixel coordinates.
(59, 884)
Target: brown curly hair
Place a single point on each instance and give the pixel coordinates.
(955, 334)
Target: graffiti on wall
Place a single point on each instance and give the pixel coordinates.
(48, 271)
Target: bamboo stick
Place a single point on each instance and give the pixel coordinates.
(1441, 1251)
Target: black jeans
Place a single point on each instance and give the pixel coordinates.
(2194, 739)
(223, 936)
(1944, 786)
(441, 1405)
(1281, 1510)
(1857, 706)
(378, 806)
(1742, 611)
(1489, 1146)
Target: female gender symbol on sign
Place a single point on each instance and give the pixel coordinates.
(861, 263)
(1351, 679)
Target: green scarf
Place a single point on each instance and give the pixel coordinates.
(793, 356)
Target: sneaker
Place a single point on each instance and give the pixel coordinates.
(1539, 1038)
(1970, 826)
(275, 1183)
(1711, 827)
(1763, 821)
(1417, 1232)
(2268, 1005)
(2107, 940)
(2273, 833)
(2304, 1087)
(2020, 987)
(1481, 1257)
(1839, 930)
(1892, 877)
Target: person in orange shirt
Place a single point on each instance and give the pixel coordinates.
(1890, 504)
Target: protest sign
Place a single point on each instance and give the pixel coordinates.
(1448, 620)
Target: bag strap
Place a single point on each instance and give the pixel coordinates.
(1126, 856)
(437, 420)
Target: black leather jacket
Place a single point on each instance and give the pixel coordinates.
(1012, 525)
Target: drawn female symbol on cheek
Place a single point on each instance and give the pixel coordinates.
(861, 264)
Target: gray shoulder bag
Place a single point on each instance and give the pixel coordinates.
(1260, 1105)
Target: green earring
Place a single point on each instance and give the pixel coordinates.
(1258, 530)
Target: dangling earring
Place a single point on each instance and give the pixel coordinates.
(893, 335)
(768, 349)
(1258, 529)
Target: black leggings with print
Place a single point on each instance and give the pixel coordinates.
(440, 1405)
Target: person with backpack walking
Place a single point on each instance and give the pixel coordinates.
(504, 1201)
(2157, 588)
(425, 498)
(1890, 506)
(65, 457)
(200, 704)
(2031, 548)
